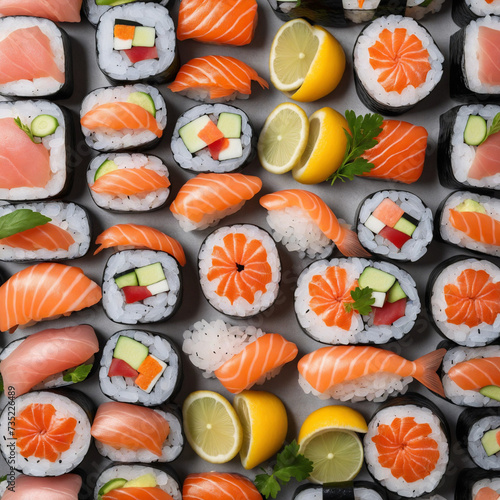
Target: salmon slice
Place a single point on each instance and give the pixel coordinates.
(474, 374)
(345, 239)
(479, 227)
(55, 10)
(123, 425)
(137, 494)
(241, 268)
(257, 359)
(487, 493)
(475, 299)
(130, 181)
(219, 486)
(48, 237)
(406, 449)
(486, 160)
(329, 294)
(25, 54)
(65, 487)
(489, 55)
(24, 163)
(43, 291)
(121, 116)
(400, 152)
(212, 193)
(231, 22)
(40, 434)
(401, 59)
(220, 75)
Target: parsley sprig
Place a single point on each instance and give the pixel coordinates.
(363, 301)
(494, 128)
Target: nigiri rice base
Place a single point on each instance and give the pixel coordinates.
(476, 448)
(493, 483)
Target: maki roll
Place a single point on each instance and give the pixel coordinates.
(141, 286)
(392, 80)
(467, 148)
(136, 42)
(395, 224)
(418, 430)
(123, 118)
(470, 221)
(46, 433)
(54, 231)
(37, 139)
(463, 301)
(137, 480)
(477, 484)
(128, 182)
(359, 490)
(65, 487)
(474, 73)
(55, 10)
(140, 367)
(129, 433)
(213, 138)
(36, 58)
(465, 11)
(219, 486)
(327, 295)
(49, 359)
(240, 270)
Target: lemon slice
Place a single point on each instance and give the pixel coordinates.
(265, 424)
(333, 417)
(283, 138)
(212, 427)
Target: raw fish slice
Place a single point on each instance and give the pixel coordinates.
(487, 159)
(48, 237)
(479, 227)
(488, 55)
(219, 486)
(65, 487)
(130, 181)
(55, 10)
(473, 374)
(137, 494)
(46, 353)
(487, 493)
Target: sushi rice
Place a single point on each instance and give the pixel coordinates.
(315, 492)
(475, 447)
(482, 8)
(493, 483)
(94, 11)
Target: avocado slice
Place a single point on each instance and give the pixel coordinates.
(395, 293)
(148, 275)
(143, 100)
(230, 125)
(491, 391)
(112, 485)
(475, 131)
(145, 481)
(490, 442)
(130, 351)
(470, 206)
(106, 167)
(377, 280)
(112, 3)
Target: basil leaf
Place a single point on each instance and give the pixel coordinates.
(78, 374)
(21, 220)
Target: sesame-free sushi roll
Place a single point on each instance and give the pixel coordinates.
(141, 286)
(359, 490)
(477, 484)
(205, 200)
(240, 270)
(470, 221)
(125, 432)
(140, 367)
(65, 487)
(214, 138)
(219, 486)
(407, 446)
(396, 64)
(37, 138)
(43, 231)
(395, 224)
(49, 359)
(238, 357)
(51, 434)
(331, 306)
(60, 11)
(136, 481)
(465, 11)
(123, 118)
(136, 42)
(463, 301)
(35, 58)
(128, 182)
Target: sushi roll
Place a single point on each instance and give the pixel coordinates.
(205, 200)
(140, 367)
(418, 430)
(477, 484)
(219, 486)
(62, 437)
(463, 301)
(359, 490)
(128, 182)
(385, 86)
(136, 42)
(123, 118)
(37, 138)
(238, 357)
(136, 480)
(327, 295)
(54, 231)
(36, 58)
(474, 75)
(395, 224)
(125, 432)
(470, 221)
(65, 487)
(55, 10)
(465, 11)
(49, 359)
(240, 270)
(141, 286)
(213, 138)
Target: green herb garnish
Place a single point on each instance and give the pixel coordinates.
(78, 374)
(3, 478)
(494, 128)
(363, 301)
(25, 128)
(1, 383)
(361, 137)
(21, 220)
(289, 463)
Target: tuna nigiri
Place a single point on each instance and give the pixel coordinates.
(488, 55)
(213, 78)
(230, 22)
(65, 487)
(219, 486)
(43, 291)
(485, 163)
(55, 10)
(207, 198)
(476, 373)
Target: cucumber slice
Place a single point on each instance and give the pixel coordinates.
(475, 130)
(130, 351)
(405, 226)
(112, 485)
(112, 2)
(44, 125)
(144, 36)
(230, 125)
(105, 167)
(377, 280)
(395, 293)
(491, 391)
(144, 101)
(148, 275)
(490, 442)
(126, 279)
(145, 481)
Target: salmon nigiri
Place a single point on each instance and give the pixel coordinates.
(65, 487)
(213, 78)
(219, 486)
(48, 237)
(55, 10)
(476, 373)
(477, 226)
